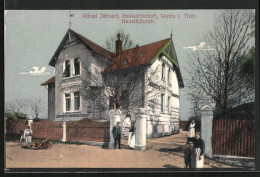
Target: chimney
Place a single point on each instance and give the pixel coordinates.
(118, 45)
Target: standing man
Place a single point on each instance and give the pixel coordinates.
(27, 136)
(117, 135)
(197, 158)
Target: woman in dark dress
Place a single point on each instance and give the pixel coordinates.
(131, 137)
(197, 157)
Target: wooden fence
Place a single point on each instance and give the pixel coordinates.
(233, 137)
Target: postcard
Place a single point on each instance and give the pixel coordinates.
(130, 89)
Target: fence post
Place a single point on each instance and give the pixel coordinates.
(206, 128)
(115, 116)
(140, 136)
(64, 133)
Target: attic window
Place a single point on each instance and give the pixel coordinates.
(163, 71)
(124, 62)
(76, 67)
(66, 72)
(169, 76)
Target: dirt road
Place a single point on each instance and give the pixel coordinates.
(166, 152)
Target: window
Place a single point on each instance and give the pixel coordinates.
(66, 72)
(76, 101)
(111, 102)
(163, 70)
(72, 69)
(72, 102)
(76, 67)
(67, 101)
(162, 102)
(168, 104)
(169, 76)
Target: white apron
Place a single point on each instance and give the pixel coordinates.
(131, 140)
(27, 138)
(195, 161)
(191, 133)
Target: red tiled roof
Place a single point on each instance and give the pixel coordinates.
(137, 56)
(49, 81)
(96, 48)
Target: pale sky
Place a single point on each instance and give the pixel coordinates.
(31, 38)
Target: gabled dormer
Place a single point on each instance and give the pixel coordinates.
(71, 38)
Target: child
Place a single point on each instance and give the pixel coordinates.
(22, 137)
(187, 154)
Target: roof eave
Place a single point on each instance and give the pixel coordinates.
(53, 59)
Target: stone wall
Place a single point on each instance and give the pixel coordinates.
(14, 126)
(84, 131)
(244, 162)
(88, 130)
(47, 129)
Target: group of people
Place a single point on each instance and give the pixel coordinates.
(193, 152)
(116, 131)
(194, 149)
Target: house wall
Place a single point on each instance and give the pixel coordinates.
(161, 123)
(51, 101)
(90, 63)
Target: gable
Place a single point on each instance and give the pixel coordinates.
(168, 50)
(73, 37)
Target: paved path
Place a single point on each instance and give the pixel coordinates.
(165, 152)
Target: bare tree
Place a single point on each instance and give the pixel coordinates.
(121, 85)
(197, 98)
(216, 69)
(15, 108)
(126, 39)
(36, 106)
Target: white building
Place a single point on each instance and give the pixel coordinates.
(85, 77)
